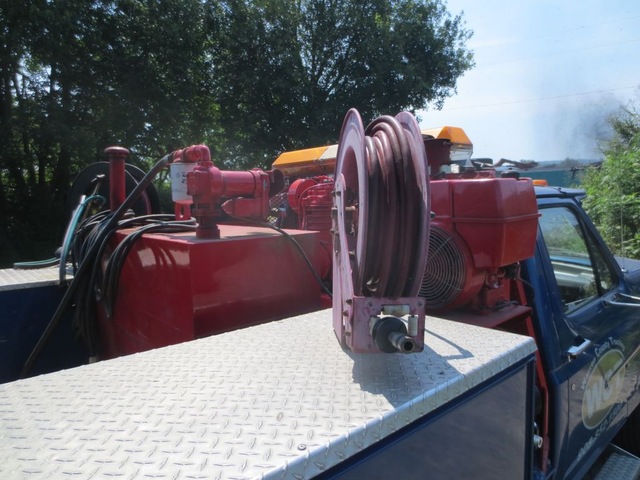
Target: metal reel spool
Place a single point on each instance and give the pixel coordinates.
(381, 219)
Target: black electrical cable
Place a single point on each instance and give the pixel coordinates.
(102, 285)
(91, 257)
(85, 235)
(295, 243)
(108, 290)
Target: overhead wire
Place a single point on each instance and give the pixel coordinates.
(540, 99)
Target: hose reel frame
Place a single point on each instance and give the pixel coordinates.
(380, 222)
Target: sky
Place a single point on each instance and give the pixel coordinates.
(548, 74)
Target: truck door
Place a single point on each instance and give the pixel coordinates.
(600, 337)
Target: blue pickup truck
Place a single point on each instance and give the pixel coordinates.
(487, 403)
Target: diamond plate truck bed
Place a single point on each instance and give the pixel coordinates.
(279, 400)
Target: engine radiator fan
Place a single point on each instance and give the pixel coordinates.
(481, 226)
(449, 278)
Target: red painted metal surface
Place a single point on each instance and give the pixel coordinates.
(246, 193)
(312, 199)
(315, 206)
(496, 217)
(297, 188)
(176, 287)
(117, 184)
(493, 224)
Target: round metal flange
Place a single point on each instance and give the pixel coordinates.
(351, 180)
(419, 158)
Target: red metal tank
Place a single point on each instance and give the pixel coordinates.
(176, 287)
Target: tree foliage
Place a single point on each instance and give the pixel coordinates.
(249, 78)
(78, 76)
(289, 71)
(613, 190)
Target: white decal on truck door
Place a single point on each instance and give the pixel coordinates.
(603, 383)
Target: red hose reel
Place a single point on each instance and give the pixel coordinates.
(381, 226)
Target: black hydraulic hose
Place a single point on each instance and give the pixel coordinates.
(394, 207)
(92, 258)
(114, 266)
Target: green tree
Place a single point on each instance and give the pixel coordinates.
(289, 71)
(249, 78)
(613, 189)
(79, 76)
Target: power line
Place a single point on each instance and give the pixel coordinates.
(558, 52)
(557, 32)
(541, 99)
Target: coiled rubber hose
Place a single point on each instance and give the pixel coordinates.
(387, 204)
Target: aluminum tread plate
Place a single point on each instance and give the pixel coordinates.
(620, 467)
(12, 279)
(279, 400)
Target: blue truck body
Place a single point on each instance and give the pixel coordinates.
(586, 320)
(587, 407)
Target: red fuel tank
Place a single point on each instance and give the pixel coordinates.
(176, 287)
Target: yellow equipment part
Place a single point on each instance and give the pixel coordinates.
(461, 146)
(453, 134)
(307, 162)
(322, 160)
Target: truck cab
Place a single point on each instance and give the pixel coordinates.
(586, 315)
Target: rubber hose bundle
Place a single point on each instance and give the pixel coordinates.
(395, 211)
(88, 255)
(106, 288)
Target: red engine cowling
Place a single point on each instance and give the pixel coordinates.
(481, 226)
